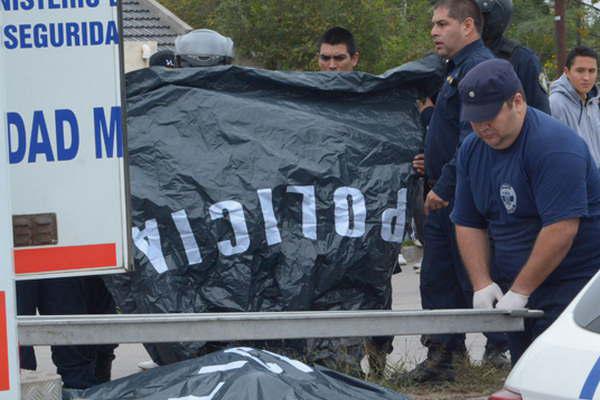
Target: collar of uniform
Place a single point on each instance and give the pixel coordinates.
(465, 53)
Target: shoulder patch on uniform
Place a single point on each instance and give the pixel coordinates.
(543, 81)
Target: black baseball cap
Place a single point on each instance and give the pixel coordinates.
(163, 58)
(485, 88)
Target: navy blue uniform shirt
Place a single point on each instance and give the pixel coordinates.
(547, 175)
(445, 130)
(528, 69)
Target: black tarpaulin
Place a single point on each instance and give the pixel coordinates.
(238, 374)
(257, 190)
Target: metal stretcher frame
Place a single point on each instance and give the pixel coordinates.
(163, 328)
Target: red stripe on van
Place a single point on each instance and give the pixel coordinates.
(4, 371)
(57, 259)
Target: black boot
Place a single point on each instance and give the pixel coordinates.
(377, 356)
(104, 366)
(437, 367)
(496, 357)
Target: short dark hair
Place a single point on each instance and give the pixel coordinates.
(580, 51)
(461, 10)
(338, 35)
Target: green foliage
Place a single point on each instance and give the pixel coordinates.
(282, 34)
(197, 13)
(533, 26)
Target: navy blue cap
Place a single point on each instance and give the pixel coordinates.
(485, 88)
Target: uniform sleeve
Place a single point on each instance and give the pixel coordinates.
(530, 73)
(560, 187)
(445, 186)
(426, 115)
(465, 212)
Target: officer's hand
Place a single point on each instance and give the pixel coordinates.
(434, 202)
(486, 297)
(418, 164)
(424, 103)
(512, 301)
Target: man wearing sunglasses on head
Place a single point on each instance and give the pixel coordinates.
(337, 51)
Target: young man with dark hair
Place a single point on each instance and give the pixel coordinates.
(456, 34)
(338, 53)
(337, 50)
(530, 182)
(575, 97)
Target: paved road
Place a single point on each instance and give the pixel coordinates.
(407, 349)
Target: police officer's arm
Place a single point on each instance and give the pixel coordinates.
(471, 229)
(425, 108)
(551, 247)
(445, 185)
(474, 246)
(561, 200)
(426, 115)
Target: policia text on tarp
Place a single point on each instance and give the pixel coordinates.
(56, 34)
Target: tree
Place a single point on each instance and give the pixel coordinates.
(197, 13)
(282, 34)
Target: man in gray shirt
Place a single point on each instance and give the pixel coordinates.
(575, 97)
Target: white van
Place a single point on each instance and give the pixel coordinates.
(563, 362)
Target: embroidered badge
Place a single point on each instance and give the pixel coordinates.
(509, 198)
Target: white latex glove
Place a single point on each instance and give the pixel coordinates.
(512, 301)
(485, 298)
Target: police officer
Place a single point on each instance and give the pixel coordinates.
(497, 15)
(513, 183)
(456, 33)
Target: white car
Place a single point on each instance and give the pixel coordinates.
(563, 362)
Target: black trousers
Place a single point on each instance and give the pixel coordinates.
(77, 365)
